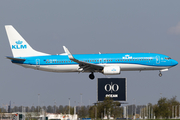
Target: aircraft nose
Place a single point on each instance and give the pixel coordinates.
(174, 62)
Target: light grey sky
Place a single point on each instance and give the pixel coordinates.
(89, 27)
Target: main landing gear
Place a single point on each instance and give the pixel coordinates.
(160, 74)
(91, 76)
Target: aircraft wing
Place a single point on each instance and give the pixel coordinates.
(85, 65)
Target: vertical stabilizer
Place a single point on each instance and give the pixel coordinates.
(19, 47)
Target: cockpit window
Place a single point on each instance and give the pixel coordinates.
(167, 58)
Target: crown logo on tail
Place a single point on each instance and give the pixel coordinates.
(19, 42)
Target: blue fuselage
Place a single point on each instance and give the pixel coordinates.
(127, 61)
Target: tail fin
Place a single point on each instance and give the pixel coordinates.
(19, 47)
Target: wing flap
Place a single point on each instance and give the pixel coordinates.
(164, 70)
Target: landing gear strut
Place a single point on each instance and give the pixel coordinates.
(160, 74)
(91, 76)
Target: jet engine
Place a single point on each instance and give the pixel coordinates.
(111, 70)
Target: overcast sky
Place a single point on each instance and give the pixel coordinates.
(92, 26)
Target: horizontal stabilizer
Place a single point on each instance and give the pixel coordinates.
(17, 59)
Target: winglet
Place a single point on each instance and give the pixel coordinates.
(69, 54)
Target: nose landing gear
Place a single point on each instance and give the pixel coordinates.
(91, 76)
(160, 74)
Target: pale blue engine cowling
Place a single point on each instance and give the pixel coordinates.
(111, 70)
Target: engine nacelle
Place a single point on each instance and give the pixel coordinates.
(111, 70)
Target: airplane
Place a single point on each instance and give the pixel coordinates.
(107, 64)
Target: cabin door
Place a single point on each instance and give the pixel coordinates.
(37, 63)
(157, 59)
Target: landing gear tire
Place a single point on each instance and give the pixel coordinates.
(91, 76)
(160, 74)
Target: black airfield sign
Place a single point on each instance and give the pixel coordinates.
(114, 88)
